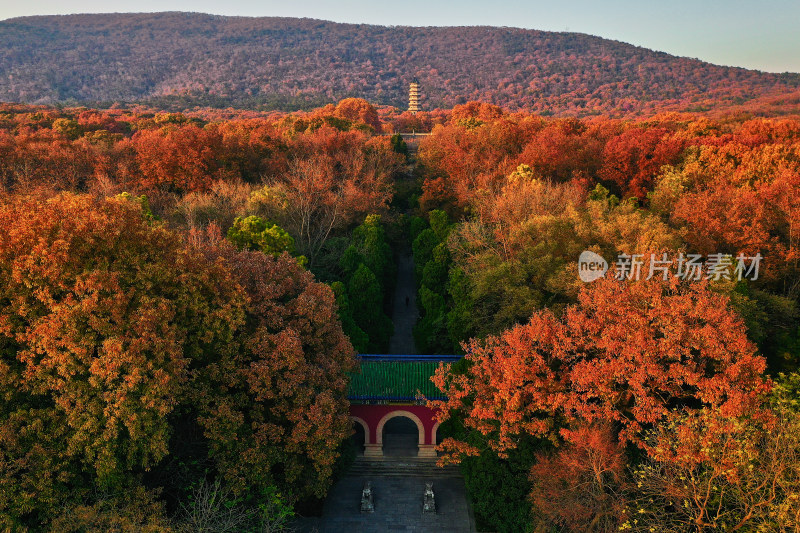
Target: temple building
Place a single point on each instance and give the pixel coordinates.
(413, 96)
(390, 417)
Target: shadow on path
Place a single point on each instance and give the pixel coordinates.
(404, 313)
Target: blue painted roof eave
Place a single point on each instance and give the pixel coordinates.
(393, 357)
(392, 398)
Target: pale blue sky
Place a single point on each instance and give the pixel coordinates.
(762, 34)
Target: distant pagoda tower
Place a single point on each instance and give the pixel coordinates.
(413, 97)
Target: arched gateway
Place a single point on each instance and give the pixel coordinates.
(387, 389)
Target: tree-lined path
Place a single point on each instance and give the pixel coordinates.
(405, 313)
(399, 470)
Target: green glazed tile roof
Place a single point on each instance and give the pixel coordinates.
(394, 380)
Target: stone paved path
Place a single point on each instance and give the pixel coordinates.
(404, 315)
(398, 507)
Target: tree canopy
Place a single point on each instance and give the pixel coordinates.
(116, 337)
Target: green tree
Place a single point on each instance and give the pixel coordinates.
(369, 240)
(416, 226)
(358, 338)
(499, 488)
(430, 333)
(422, 248)
(369, 270)
(366, 301)
(440, 224)
(67, 127)
(143, 203)
(256, 233)
(399, 145)
(432, 262)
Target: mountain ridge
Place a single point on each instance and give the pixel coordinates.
(285, 63)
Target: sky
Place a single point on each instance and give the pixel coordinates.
(757, 34)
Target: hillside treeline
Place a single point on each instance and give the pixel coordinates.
(188, 59)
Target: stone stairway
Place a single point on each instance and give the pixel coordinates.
(398, 485)
(410, 467)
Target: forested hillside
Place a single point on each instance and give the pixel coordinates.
(186, 59)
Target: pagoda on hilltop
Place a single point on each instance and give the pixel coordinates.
(413, 96)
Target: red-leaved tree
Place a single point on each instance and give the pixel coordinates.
(634, 354)
(276, 410)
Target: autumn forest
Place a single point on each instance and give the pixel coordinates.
(177, 61)
(183, 296)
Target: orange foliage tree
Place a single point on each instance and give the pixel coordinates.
(276, 410)
(632, 159)
(358, 110)
(117, 341)
(633, 353)
(333, 179)
(745, 200)
(43, 159)
(181, 158)
(715, 474)
(563, 149)
(102, 318)
(581, 487)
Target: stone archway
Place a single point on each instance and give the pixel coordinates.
(364, 425)
(436, 439)
(419, 421)
(400, 438)
(393, 414)
(424, 447)
(360, 438)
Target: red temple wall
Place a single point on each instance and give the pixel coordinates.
(373, 415)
